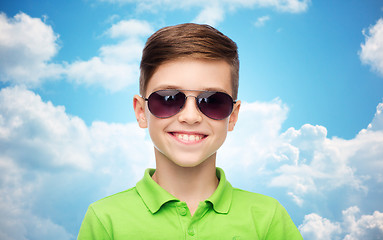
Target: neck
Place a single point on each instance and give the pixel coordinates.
(189, 184)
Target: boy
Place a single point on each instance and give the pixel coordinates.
(188, 87)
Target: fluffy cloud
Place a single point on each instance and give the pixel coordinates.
(60, 165)
(213, 12)
(52, 165)
(353, 226)
(265, 121)
(364, 227)
(372, 50)
(211, 15)
(303, 161)
(130, 28)
(20, 224)
(314, 227)
(40, 129)
(117, 66)
(27, 46)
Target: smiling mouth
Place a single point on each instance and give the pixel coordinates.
(188, 138)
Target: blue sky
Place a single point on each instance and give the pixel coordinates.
(311, 80)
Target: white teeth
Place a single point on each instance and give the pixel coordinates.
(188, 138)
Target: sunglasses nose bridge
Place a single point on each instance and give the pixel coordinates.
(187, 96)
(196, 100)
(189, 113)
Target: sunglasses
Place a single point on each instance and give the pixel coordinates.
(167, 103)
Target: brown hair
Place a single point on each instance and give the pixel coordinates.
(188, 40)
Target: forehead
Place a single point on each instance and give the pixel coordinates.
(192, 74)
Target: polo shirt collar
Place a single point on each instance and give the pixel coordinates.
(154, 196)
(221, 198)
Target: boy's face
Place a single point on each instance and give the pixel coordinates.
(188, 138)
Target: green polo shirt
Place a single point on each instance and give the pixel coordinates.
(147, 211)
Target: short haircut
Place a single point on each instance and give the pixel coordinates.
(188, 40)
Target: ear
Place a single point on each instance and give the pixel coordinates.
(234, 115)
(139, 110)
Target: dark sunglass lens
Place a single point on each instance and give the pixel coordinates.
(216, 105)
(166, 103)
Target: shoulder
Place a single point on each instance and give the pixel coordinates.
(117, 200)
(268, 216)
(101, 216)
(253, 198)
(255, 203)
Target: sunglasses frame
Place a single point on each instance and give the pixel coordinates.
(196, 98)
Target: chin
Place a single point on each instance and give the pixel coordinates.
(190, 162)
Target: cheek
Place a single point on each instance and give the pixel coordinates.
(221, 129)
(155, 133)
(225, 126)
(154, 123)
(156, 128)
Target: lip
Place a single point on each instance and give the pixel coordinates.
(188, 138)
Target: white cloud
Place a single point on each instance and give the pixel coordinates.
(314, 227)
(117, 66)
(252, 148)
(213, 12)
(130, 28)
(211, 15)
(261, 21)
(27, 46)
(303, 161)
(61, 141)
(293, 6)
(98, 71)
(21, 224)
(353, 226)
(52, 163)
(45, 152)
(41, 129)
(323, 164)
(17, 195)
(366, 227)
(372, 50)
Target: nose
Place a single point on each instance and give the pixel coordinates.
(190, 113)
